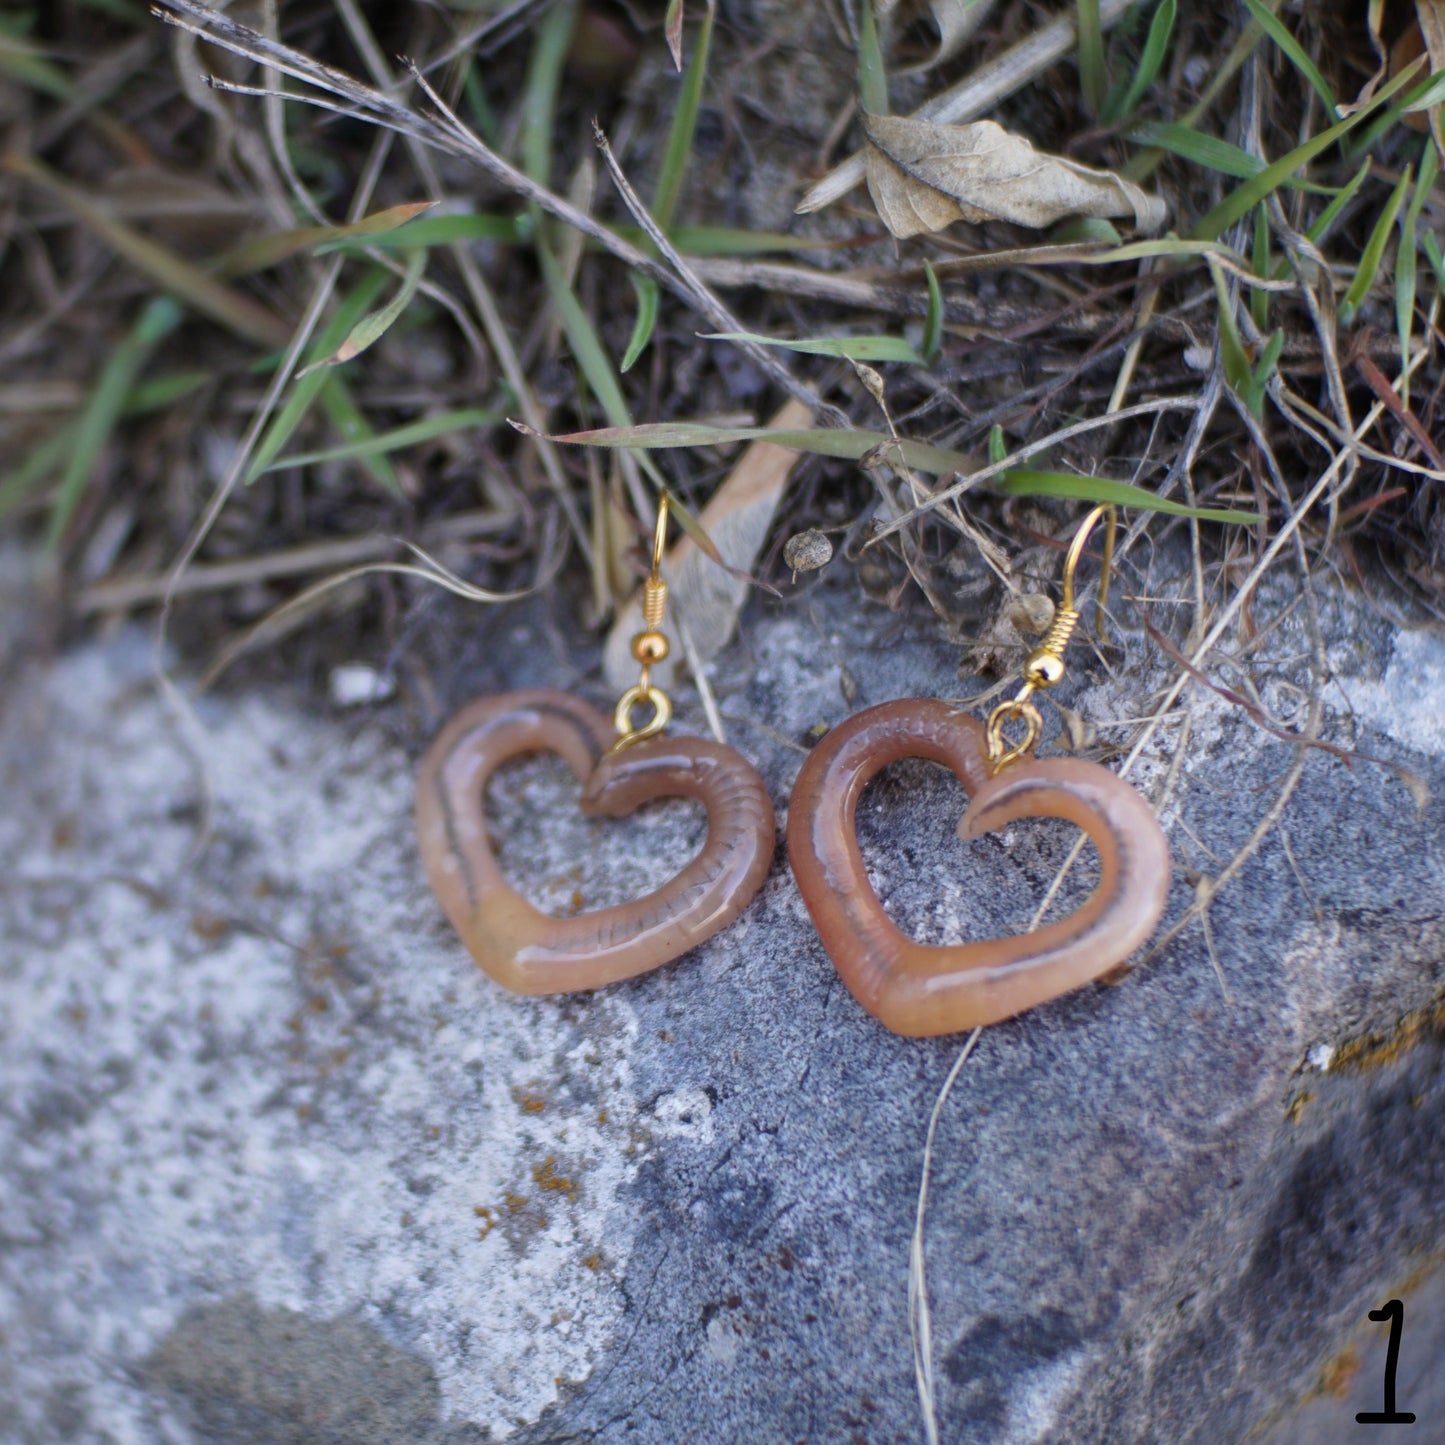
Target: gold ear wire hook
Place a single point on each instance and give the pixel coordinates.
(1045, 665)
(1076, 551)
(649, 646)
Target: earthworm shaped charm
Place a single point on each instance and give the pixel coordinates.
(919, 989)
(519, 945)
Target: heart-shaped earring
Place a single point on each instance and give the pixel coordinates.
(919, 989)
(620, 767)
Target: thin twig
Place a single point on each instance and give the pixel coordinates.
(919, 1322)
(1015, 459)
(119, 594)
(703, 300)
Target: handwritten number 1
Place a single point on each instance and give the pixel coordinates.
(1393, 1311)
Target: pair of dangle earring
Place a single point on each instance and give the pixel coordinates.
(620, 766)
(912, 988)
(920, 989)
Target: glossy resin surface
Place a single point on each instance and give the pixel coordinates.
(921, 989)
(528, 950)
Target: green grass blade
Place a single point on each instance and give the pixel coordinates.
(438, 231)
(1406, 262)
(1374, 251)
(399, 438)
(1025, 482)
(583, 341)
(872, 73)
(1327, 218)
(539, 96)
(375, 324)
(1258, 386)
(856, 348)
(933, 318)
(92, 429)
(1279, 32)
(1231, 348)
(163, 391)
(25, 64)
(1430, 92)
(940, 461)
(36, 467)
(1208, 151)
(1244, 198)
(725, 240)
(1212, 153)
(1429, 95)
(1092, 78)
(349, 421)
(1432, 254)
(684, 126)
(1259, 261)
(1170, 246)
(269, 250)
(647, 298)
(1156, 46)
(823, 442)
(305, 389)
(1086, 230)
(997, 445)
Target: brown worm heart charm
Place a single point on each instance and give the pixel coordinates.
(517, 944)
(919, 989)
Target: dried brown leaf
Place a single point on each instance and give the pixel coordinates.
(956, 21)
(1431, 17)
(923, 176)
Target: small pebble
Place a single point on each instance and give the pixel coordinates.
(354, 683)
(807, 551)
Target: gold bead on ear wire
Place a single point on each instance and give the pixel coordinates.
(1045, 666)
(649, 646)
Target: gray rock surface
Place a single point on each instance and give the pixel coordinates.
(280, 1164)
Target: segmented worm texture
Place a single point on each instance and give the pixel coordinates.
(919, 989)
(524, 948)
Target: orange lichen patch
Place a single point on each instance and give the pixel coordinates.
(488, 1220)
(515, 1203)
(529, 1101)
(547, 1178)
(602, 1116)
(1338, 1373)
(592, 1262)
(1375, 1050)
(1297, 1106)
